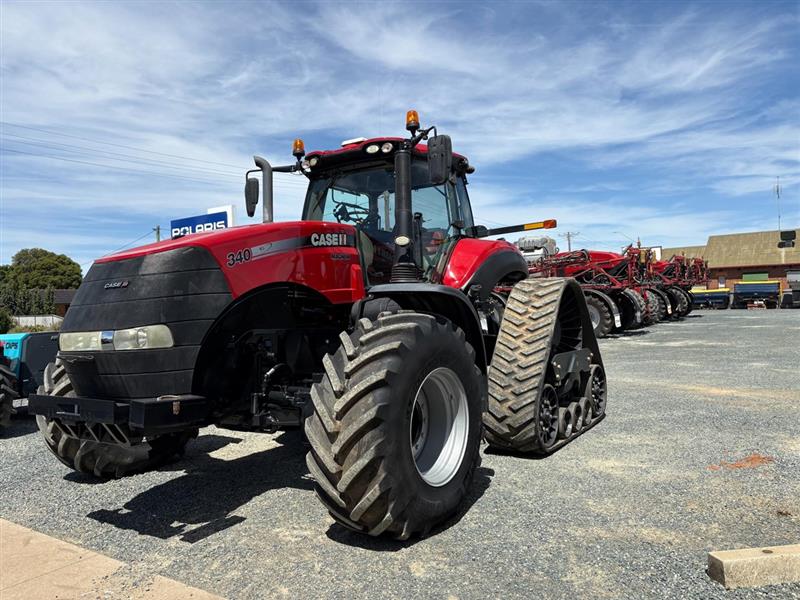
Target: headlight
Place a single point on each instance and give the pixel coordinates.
(141, 338)
(136, 338)
(85, 340)
(387, 147)
(372, 148)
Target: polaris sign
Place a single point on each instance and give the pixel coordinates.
(199, 224)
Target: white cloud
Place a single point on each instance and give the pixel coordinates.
(680, 95)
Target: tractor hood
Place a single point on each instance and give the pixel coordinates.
(316, 254)
(187, 284)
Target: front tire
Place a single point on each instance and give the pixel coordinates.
(396, 429)
(8, 393)
(100, 459)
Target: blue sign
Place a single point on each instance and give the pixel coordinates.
(199, 224)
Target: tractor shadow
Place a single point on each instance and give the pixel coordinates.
(19, 426)
(199, 503)
(342, 535)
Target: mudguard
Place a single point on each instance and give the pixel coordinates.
(662, 294)
(437, 299)
(636, 301)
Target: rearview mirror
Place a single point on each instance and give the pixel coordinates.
(440, 158)
(251, 195)
(476, 231)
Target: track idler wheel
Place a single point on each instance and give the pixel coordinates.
(596, 391)
(543, 354)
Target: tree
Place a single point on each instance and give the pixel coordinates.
(36, 268)
(5, 320)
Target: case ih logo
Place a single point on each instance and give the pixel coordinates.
(329, 239)
(113, 285)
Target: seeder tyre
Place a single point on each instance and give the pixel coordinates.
(680, 301)
(101, 459)
(542, 319)
(652, 311)
(396, 429)
(600, 315)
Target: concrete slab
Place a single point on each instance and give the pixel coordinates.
(752, 567)
(34, 566)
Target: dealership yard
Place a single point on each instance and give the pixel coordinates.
(700, 451)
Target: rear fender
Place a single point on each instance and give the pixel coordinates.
(435, 299)
(662, 294)
(635, 303)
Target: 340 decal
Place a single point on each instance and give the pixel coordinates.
(235, 258)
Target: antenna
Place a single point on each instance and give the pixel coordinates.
(777, 190)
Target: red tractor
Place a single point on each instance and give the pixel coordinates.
(382, 323)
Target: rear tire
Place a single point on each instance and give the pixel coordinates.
(663, 315)
(102, 460)
(600, 315)
(396, 429)
(651, 317)
(8, 393)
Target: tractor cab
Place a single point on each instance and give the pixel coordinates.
(356, 186)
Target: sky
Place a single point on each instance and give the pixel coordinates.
(666, 121)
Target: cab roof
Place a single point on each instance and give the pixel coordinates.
(358, 150)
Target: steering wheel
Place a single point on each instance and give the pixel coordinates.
(347, 211)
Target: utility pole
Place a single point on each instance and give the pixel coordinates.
(569, 235)
(157, 229)
(777, 189)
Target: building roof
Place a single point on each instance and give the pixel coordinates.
(690, 251)
(754, 249)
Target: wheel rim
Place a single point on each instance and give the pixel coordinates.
(439, 427)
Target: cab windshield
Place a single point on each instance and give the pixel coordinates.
(365, 198)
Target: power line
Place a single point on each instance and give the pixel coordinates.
(85, 139)
(280, 181)
(102, 152)
(94, 164)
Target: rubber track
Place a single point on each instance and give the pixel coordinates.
(519, 364)
(8, 393)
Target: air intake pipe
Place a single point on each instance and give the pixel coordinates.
(266, 191)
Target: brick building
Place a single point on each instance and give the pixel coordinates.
(743, 257)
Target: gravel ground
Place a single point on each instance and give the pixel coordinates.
(628, 510)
